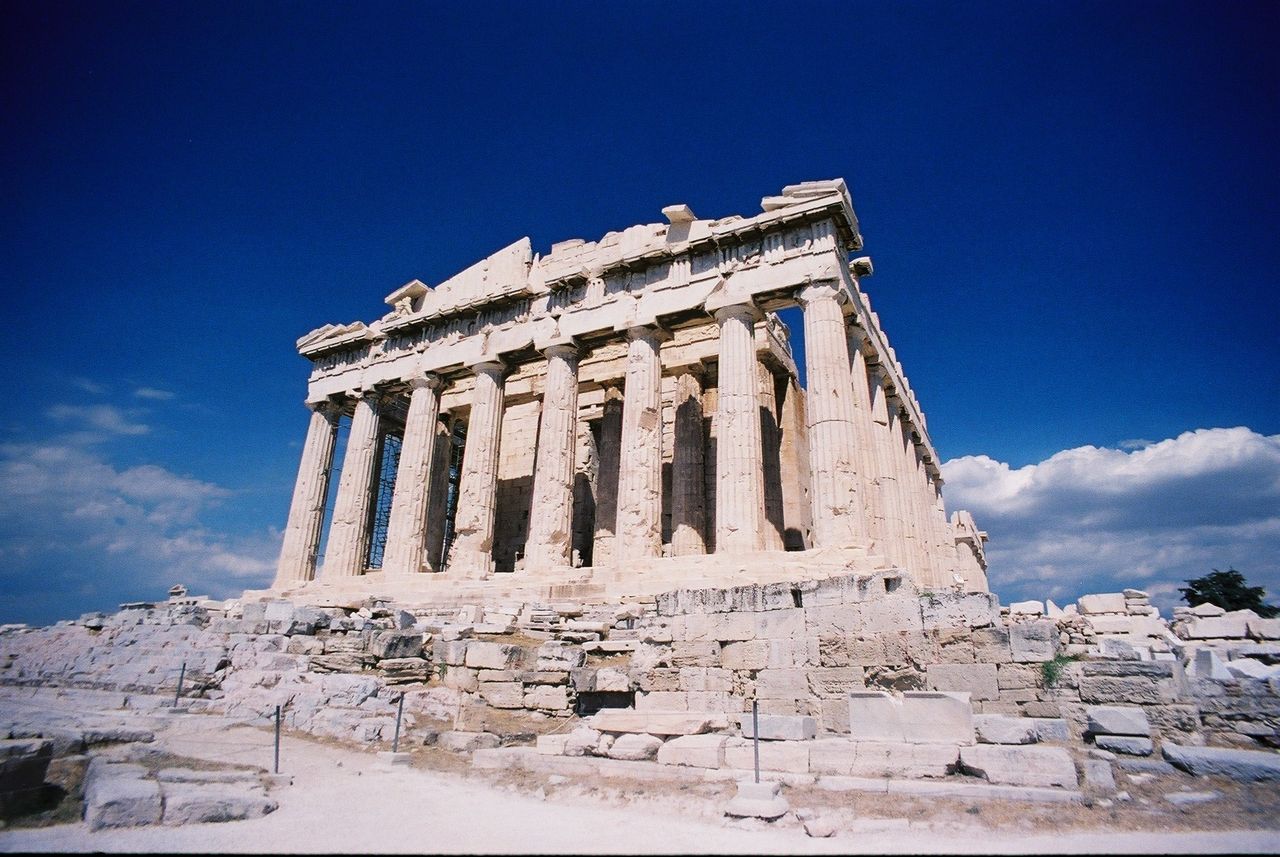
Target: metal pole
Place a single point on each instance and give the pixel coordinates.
(395, 742)
(181, 675)
(277, 763)
(755, 734)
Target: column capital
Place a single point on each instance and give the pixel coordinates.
(326, 407)
(821, 290)
(429, 380)
(746, 310)
(490, 367)
(566, 348)
(861, 267)
(648, 332)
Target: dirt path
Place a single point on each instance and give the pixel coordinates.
(343, 801)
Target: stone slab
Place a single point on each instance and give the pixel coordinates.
(789, 756)
(115, 799)
(1021, 766)
(1117, 720)
(780, 727)
(190, 803)
(917, 717)
(758, 800)
(695, 751)
(654, 722)
(1003, 729)
(1243, 765)
(1110, 602)
(978, 680)
(1127, 744)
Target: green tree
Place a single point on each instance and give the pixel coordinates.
(1229, 590)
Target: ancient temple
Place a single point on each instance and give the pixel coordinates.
(622, 417)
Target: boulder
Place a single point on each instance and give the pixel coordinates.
(634, 747)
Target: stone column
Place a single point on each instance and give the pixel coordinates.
(551, 510)
(604, 548)
(688, 489)
(771, 463)
(471, 554)
(739, 459)
(864, 433)
(346, 553)
(886, 448)
(640, 463)
(833, 453)
(407, 526)
(907, 475)
(438, 507)
(306, 512)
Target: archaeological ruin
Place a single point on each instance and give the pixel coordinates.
(621, 417)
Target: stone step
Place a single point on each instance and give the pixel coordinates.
(657, 722)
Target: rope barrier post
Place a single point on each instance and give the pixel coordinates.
(182, 674)
(277, 763)
(755, 734)
(395, 742)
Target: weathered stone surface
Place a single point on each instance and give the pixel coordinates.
(465, 742)
(758, 800)
(1111, 602)
(634, 747)
(23, 763)
(396, 644)
(1229, 626)
(1027, 608)
(196, 803)
(747, 655)
(1118, 720)
(503, 694)
(1002, 729)
(777, 727)
(971, 610)
(978, 680)
(843, 757)
(1020, 766)
(697, 751)
(1127, 744)
(118, 796)
(1263, 629)
(1034, 641)
(1243, 765)
(1098, 775)
(494, 656)
(652, 722)
(925, 717)
(548, 697)
(787, 756)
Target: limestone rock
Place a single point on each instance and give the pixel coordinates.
(118, 796)
(978, 680)
(1127, 744)
(1118, 720)
(652, 722)
(779, 727)
(698, 751)
(1020, 766)
(758, 800)
(1243, 765)
(634, 747)
(925, 717)
(1002, 729)
(1111, 602)
(465, 742)
(787, 756)
(192, 803)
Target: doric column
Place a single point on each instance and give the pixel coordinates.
(918, 555)
(604, 548)
(945, 555)
(346, 552)
(306, 512)
(864, 433)
(471, 554)
(833, 452)
(739, 464)
(551, 516)
(688, 488)
(407, 527)
(886, 448)
(640, 463)
(771, 463)
(438, 506)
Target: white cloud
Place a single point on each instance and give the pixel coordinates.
(79, 533)
(106, 418)
(1095, 519)
(153, 393)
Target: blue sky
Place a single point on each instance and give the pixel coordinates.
(1072, 210)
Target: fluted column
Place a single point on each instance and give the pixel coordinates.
(864, 434)
(771, 463)
(739, 460)
(407, 527)
(688, 489)
(306, 511)
(604, 548)
(438, 506)
(551, 510)
(833, 453)
(471, 554)
(886, 447)
(346, 552)
(640, 462)
(918, 558)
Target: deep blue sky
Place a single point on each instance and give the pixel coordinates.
(1072, 207)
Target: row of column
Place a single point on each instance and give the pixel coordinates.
(867, 480)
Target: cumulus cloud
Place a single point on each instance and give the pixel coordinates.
(79, 533)
(1150, 515)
